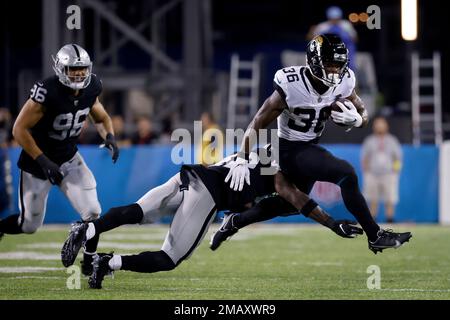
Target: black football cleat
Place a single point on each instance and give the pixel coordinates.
(388, 239)
(100, 270)
(226, 231)
(73, 243)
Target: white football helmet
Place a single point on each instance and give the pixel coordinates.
(72, 56)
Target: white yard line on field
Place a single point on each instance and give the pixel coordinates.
(28, 269)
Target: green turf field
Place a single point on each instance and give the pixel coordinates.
(263, 262)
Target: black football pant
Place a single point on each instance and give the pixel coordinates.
(305, 163)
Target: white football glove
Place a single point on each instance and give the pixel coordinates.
(238, 173)
(349, 115)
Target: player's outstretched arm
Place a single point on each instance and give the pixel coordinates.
(30, 114)
(239, 172)
(272, 107)
(105, 128)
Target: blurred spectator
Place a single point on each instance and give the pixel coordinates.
(5, 127)
(166, 132)
(122, 138)
(342, 27)
(381, 162)
(145, 133)
(5, 163)
(211, 148)
(89, 134)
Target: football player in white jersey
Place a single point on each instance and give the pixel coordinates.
(301, 103)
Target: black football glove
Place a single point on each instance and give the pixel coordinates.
(51, 169)
(346, 228)
(110, 143)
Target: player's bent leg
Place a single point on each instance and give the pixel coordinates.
(161, 200)
(266, 209)
(190, 223)
(189, 226)
(33, 194)
(83, 232)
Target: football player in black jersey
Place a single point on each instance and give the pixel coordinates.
(194, 195)
(47, 128)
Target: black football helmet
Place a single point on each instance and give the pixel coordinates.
(327, 57)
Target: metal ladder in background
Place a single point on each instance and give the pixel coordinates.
(243, 91)
(426, 108)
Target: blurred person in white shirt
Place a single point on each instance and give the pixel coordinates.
(381, 163)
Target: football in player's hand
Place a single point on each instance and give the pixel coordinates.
(335, 107)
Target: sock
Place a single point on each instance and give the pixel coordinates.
(90, 232)
(10, 225)
(148, 262)
(88, 257)
(356, 204)
(115, 263)
(91, 244)
(118, 216)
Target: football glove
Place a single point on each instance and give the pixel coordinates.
(349, 115)
(238, 173)
(346, 228)
(110, 143)
(50, 169)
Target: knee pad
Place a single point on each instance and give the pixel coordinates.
(30, 227)
(91, 212)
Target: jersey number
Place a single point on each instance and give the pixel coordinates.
(38, 93)
(308, 119)
(66, 125)
(291, 74)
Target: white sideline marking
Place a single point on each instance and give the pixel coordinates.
(407, 289)
(129, 245)
(325, 264)
(130, 236)
(102, 244)
(28, 269)
(23, 255)
(34, 277)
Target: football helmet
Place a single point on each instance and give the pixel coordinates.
(327, 58)
(68, 60)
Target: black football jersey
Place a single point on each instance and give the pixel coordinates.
(226, 198)
(57, 132)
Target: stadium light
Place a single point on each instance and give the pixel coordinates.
(409, 20)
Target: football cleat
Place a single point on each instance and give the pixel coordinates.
(100, 270)
(73, 243)
(388, 239)
(1, 235)
(226, 231)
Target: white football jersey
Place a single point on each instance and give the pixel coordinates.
(307, 111)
